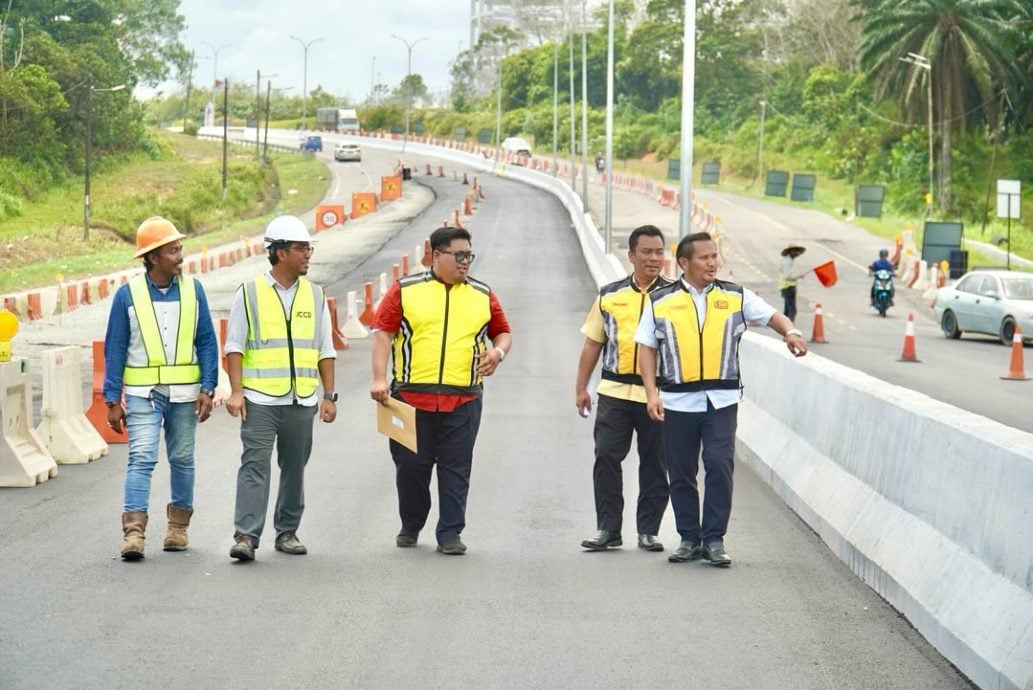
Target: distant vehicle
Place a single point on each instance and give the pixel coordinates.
(987, 301)
(517, 145)
(342, 120)
(347, 152)
(311, 143)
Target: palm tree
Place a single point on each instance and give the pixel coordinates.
(964, 46)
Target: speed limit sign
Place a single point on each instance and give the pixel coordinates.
(329, 216)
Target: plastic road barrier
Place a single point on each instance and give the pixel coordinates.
(64, 428)
(24, 460)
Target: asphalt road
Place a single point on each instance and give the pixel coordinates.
(524, 608)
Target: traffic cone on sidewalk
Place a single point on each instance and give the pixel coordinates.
(1016, 369)
(818, 333)
(909, 341)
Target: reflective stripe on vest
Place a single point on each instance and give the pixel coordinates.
(184, 368)
(621, 304)
(281, 354)
(443, 332)
(692, 359)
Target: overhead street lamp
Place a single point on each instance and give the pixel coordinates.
(304, 80)
(922, 62)
(90, 89)
(408, 74)
(215, 59)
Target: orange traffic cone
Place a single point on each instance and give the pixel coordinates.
(458, 224)
(909, 341)
(366, 317)
(818, 332)
(340, 342)
(465, 181)
(1017, 369)
(426, 254)
(97, 414)
(467, 206)
(429, 171)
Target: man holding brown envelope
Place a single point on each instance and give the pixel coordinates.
(445, 331)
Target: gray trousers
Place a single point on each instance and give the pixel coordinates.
(290, 427)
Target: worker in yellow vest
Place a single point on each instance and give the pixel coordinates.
(279, 349)
(689, 339)
(160, 345)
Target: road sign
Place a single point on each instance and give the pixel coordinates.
(1009, 199)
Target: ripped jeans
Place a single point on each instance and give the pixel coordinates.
(145, 418)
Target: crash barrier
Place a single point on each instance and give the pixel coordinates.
(64, 429)
(24, 459)
(893, 494)
(97, 414)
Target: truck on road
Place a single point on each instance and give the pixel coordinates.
(342, 120)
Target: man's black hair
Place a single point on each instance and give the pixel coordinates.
(442, 237)
(643, 231)
(685, 247)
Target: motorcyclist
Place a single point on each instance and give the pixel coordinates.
(882, 264)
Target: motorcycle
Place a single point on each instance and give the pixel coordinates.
(882, 291)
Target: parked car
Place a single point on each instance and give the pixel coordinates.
(517, 145)
(991, 301)
(311, 143)
(347, 152)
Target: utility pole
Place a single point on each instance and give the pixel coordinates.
(186, 103)
(373, 81)
(555, 105)
(258, 113)
(265, 148)
(90, 90)
(225, 132)
(304, 80)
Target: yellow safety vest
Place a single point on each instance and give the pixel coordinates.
(692, 359)
(784, 282)
(282, 354)
(184, 369)
(621, 304)
(443, 332)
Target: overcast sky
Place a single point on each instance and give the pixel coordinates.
(352, 32)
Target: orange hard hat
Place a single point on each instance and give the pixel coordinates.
(153, 233)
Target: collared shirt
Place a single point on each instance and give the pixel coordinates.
(123, 335)
(754, 309)
(236, 337)
(389, 319)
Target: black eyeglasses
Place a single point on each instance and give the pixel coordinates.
(303, 248)
(460, 257)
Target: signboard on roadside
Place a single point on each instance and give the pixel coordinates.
(868, 199)
(674, 169)
(711, 173)
(1009, 199)
(777, 181)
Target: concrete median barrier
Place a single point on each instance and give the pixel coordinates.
(64, 429)
(24, 460)
(930, 505)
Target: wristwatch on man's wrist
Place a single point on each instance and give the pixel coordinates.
(210, 393)
(793, 331)
(502, 353)
(330, 395)
(111, 403)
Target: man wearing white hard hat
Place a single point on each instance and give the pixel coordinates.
(160, 345)
(279, 349)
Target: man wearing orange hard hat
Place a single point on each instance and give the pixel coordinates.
(161, 347)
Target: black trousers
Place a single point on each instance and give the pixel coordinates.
(445, 439)
(684, 433)
(615, 422)
(789, 296)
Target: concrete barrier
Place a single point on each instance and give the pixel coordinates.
(24, 460)
(64, 429)
(930, 505)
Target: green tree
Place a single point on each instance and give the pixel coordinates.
(968, 45)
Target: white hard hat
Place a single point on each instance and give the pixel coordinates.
(286, 229)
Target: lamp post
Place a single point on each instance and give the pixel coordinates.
(373, 81)
(555, 104)
(922, 62)
(90, 89)
(760, 139)
(608, 224)
(584, 103)
(304, 79)
(687, 107)
(408, 85)
(215, 59)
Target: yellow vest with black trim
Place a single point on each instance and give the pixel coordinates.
(621, 304)
(443, 331)
(184, 369)
(692, 358)
(281, 354)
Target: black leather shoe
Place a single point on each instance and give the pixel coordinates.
(602, 541)
(405, 540)
(649, 543)
(686, 551)
(715, 554)
(452, 547)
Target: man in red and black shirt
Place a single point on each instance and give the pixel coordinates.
(445, 331)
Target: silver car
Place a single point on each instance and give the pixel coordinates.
(987, 301)
(347, 152)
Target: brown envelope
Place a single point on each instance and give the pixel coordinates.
(397, 421)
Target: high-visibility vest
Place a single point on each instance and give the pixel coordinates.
(784, 282)
(443, 332)
(621, 304)
(282, 354)
(692, 359)
(184, 369)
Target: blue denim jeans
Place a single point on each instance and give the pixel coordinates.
(145, 418)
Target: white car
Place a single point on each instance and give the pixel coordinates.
(347, 152)
(517, 145)
(987, 301)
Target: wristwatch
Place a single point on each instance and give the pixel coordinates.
(502, 353)
(209, 393)
(793, 331)
(112, 403)
(331, 396)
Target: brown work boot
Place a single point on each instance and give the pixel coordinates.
(133, 526)
(176, 532)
